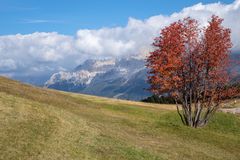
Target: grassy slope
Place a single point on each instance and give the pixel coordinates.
(45, 124)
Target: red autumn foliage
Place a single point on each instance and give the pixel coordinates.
(191, 64)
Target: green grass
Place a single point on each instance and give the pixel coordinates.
(39, 123)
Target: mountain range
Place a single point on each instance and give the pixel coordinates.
(123, 78)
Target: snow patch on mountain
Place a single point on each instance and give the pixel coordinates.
(80, 77)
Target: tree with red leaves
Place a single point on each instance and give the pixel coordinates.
(191, 65)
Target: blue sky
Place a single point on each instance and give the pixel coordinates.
(68, 16)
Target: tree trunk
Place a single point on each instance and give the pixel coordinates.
(199, 118)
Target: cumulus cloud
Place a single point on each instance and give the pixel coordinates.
(7, 65)
(137, 35)
(45, 47)
(48, 52)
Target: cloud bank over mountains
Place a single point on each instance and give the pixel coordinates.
(50, 52)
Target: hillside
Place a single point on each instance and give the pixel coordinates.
(40, 123)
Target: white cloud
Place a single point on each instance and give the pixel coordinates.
(138, 35)
(37, 46)
(106, 41)
(51, 51)
(7, 65)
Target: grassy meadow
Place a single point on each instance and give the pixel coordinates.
(38, 123)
